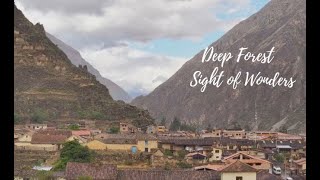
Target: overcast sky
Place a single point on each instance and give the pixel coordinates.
(138, 44)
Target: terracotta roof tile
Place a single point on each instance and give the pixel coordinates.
(48, 139)
(238, 166)
(74, 170)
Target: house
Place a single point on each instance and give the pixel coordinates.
(255, 162)
(95, 132)
(47, 142)
(96, 145)
(235, 133)
(217, 132)
(162, 129)
(299, 166)
(238, 171)
(265, 175)
(151, 129)
(150, 174)
(95, 171)
(196, 157)
(126, 142)
(283, 148)
(216, 155)
(210, 167)
(203, 145)
(128, 128)
(80, 139)
(23, 141)
(86, 134)
(36, 126)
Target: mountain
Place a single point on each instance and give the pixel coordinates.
(115, 91)
(282, 24)
(47, 86)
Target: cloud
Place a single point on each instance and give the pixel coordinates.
(110, 32)
(137, 71)
(108, 22)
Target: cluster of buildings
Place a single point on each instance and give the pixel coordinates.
(215, 154)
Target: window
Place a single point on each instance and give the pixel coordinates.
(239, 178)
(258, 164)
(217, 157)
(146, 142)
(146, 149)
(216, 151)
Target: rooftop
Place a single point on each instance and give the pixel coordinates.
(238, 166)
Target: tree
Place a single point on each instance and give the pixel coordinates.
(39, 116)
(283, 129)
(114, 130)
(175, 125)
(16, 118)
(72, 151)
(184, 165)
(45, 175)
(235, 125)
(73, 127)
(163, 121)
(247, 127)
(85, 178)
(279, 157)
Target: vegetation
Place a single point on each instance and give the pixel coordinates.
(167, 153)
(280, 157)
(167, 166)
(72, 151)
(89, 114)
(39, 116)
(17, 118)
(209, 127)
(175, 125)
(283, 129)
(114, 130)
(163, 121)
(182, 154)
(184, 165)
(85, 178)
(73, 127)
(128, 162)
(45, 175)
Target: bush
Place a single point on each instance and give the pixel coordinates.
(184, 165)
(114, 130)
(44, 175)
(128, 162)
(182, 154)
(85, 178)
(72, 151)
(17, 118)
(73, 127)
(39, 116)
(279, 157)
(167, 153)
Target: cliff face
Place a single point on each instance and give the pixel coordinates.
(116, 92)
(45, 80)
(282, 24)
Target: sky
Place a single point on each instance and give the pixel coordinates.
(138, 44)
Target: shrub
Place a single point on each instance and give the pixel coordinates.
(114, 130)
(184, 165)
(73, 127)
(39, 116)
(85, 178)
(182, 154)
(44, 175)
(72, 151)
(167, 153)
(17, 118)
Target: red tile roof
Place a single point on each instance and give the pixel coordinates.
(81, 133)
(238, 166)
(48, 139)
(107, 172)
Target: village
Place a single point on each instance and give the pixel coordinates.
(125, 151)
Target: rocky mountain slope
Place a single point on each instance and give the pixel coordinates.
(47, 84)
(116, 92)
(282, 24)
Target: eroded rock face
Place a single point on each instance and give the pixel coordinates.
(282, 24)
(44, 78)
